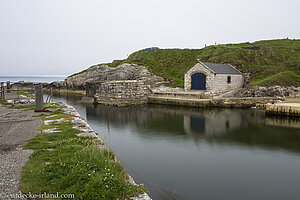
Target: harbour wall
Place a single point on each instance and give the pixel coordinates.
(122, 93)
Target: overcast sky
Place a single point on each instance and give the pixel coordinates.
(60, 37)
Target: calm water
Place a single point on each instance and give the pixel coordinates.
(190, 153)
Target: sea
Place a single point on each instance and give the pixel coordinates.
(33, 78)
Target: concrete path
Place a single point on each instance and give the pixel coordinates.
(232, 102)
(290, 107)
(16, 127)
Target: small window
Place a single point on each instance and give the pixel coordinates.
(228, 79)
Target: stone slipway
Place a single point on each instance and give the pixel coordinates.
(245, 102)
(284, 109)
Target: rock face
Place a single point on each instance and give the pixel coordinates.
(273, 91)
(101, 73)
(29, 84)
(23, 84)
(57, 84)
(247, 78)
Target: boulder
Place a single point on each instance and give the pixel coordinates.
(57, 84)
(101, 73)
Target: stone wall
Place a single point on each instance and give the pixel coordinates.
(219, 83)
(215, 83)
(232, 102)
(122, 93)
(271, 91)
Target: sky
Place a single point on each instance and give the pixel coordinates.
(61, 37)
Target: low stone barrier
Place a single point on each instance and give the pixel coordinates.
(283, 109)
(122, 93)
(246, 102)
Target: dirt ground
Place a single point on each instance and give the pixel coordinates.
(16, 127)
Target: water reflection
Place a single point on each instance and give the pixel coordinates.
(213, 122)
(283, 122)
(239, 126)
(246, 127)
(201, 154)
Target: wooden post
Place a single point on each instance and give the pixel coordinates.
(2, 90)
(51, 95)
(18, 90)
(32, 88)
(39, 101)
(8, 86)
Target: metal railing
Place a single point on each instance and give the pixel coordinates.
(19, 88)
(50, 96)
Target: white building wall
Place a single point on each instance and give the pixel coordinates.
(216, 83)
(220, 84)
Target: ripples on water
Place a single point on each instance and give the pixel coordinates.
(191, 153)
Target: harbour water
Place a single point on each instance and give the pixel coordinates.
(190, 153)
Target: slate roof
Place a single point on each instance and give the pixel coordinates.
(221, 68)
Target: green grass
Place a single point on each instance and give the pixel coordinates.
(286, 78)
(65, 163)
(265, 59)
(3, 101)
(26, 107)
(27, 94)
(57, 116)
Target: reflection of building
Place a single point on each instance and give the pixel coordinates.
(159, 120)
(212, 122)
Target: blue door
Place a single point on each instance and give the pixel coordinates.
(198, 81)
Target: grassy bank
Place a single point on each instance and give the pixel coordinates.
(3, 101)
(263, 59)
(69, 164)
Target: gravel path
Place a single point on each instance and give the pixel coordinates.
(16, 127)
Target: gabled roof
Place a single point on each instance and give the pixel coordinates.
(221, 68)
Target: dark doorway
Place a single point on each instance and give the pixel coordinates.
(198, 81)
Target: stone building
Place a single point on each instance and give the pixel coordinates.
(214, 78)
